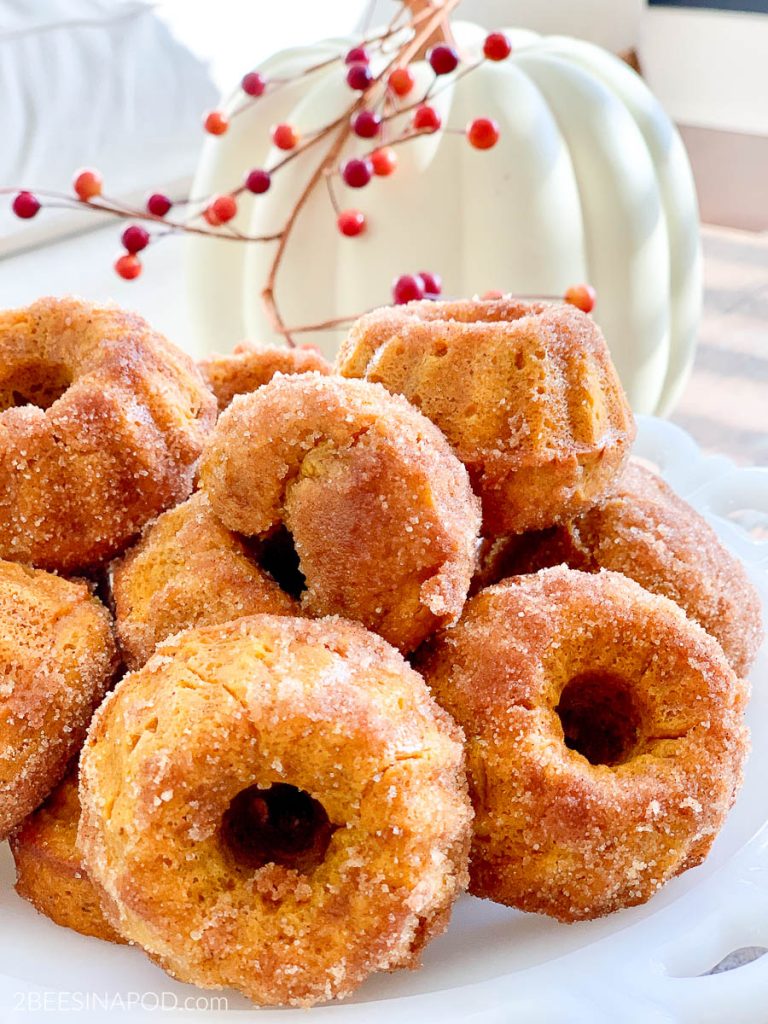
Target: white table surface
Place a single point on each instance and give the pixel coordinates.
(83, 265)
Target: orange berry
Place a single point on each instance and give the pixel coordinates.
(426, 119)
(401, 81)
(216, 123)
(483, 133)
(383, 161)
(87, 184)
(285, 136)
(220, 210)
(128, 266)
(582, 296)
(351, 222)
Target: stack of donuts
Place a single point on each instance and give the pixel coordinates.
(295, 654)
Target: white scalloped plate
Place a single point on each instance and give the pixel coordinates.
(641, 966)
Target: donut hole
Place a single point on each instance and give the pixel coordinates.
(278, 556)
(279, 825)
(37, 383)
(600, 717)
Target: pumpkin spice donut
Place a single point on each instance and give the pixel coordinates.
(605, 739)
(647, 532)
(379, 508)
(250, 366)
(187, 570)
(101, 424)
(526, 394)
(57, 657)
(277, 805)
(49, 870)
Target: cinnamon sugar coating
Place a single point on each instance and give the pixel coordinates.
(49, 870)
(57, 657)
(556, 832)
(250, 366)
(526, 394)
(380, 509)
(271, 701)
(101, 424)
(647, 532)
(187, 570)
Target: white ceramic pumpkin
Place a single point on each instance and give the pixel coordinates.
(589, 181)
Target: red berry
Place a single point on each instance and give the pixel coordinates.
(357, 55)
(128, 266)
(433, 283)
(25, 205)
(357, 173)
(359, 77)
(384, 161)
(135, 238)
(366, 124)
(426, 119)
(443, 59)
(216, 123)
(407, 288)
(351, 222)
(158, 204)
(493, 293)
(583, 296)
(253, 84)
(497, 46)
(285, 136)
(483, 133)
(87, 184)
(258, 181)
(220, 210)
(401, 81)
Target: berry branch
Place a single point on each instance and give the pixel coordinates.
(378, 101)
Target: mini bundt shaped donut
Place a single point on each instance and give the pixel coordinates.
(187, 570)
(57, 657)
(526, 394)
(250, 366)
(101, 424)
(278, 805)
(605, 739)
(380, 509)
(49, 870)
(647, 532)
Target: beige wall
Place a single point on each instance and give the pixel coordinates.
(708, 68)
(614, 24)
(611, 23)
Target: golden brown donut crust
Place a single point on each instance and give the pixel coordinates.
(250, 366)
(647, 532)
(187, 570)
(49, 870)
(380, 509)
(555, 833)
(101, 424)
(323, 706)
(526, 394)
(57, 657)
